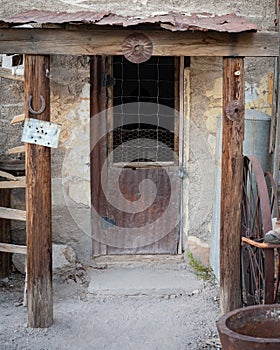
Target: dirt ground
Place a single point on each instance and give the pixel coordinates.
(157, 319)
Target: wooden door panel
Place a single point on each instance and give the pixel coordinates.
(152, 221)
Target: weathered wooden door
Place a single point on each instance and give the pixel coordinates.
(136, 184)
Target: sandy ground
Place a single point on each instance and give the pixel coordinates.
(84, 318)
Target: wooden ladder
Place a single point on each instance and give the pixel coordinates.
(10, 182)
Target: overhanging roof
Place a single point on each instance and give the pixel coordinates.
(171, 21)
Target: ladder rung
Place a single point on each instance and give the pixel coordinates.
(12, 214)
(19, 182)
(18, 119)
(13, 248)
(18, 149)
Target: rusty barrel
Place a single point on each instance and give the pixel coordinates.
(252, 328)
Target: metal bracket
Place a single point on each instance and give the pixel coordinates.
(40, 132)
(182, 173)
(42, 108)
(108, 81)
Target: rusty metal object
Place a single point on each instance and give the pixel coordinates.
(137, 48)
(252, 328)
(40, 110)
(172, 21)
(234, 110)
(257, 264)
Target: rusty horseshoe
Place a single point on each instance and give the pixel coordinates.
(43, 105)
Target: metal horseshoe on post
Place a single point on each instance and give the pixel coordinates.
(42, 108)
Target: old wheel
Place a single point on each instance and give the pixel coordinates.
(257, 263)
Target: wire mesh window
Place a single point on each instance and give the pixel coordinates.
(145, 97)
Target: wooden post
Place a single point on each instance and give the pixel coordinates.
(38, 200)
(231, 190)
(98, 149)
(5, 234)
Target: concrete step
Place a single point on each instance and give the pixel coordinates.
(137, 281)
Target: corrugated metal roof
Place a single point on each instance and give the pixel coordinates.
(170, 21)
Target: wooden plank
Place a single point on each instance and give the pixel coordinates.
(38, 200)
(12, 248)
(7, 175)
(18, 119)
(7, 74)
(20, 182)
(18, 149)
(109, 42)
(5, 235)
(12, 214)
(231, 187)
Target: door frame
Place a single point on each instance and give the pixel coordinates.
(100, 67)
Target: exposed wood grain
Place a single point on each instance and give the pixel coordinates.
(18, 119)
(5, 234)
(12, 214)
(231, 187)
(109, 42)
(12, 248)
(38, 201)
(19, 182)
(7, 74)
(18, 149)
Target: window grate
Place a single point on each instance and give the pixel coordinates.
(144, 130)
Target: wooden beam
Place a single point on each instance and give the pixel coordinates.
(19, 182)
(12, 248)
(38, 200)
(5, 235)
(12, 214)
(109, 42)
(7, 74)
(231, 186)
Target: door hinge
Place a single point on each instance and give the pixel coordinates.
(182, 173)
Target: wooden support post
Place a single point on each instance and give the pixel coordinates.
(38, 200)
(98, 149)
(231, 190)
(5, 234)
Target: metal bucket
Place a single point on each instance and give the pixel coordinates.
(252, 328)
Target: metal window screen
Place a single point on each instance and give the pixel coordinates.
(144, 132)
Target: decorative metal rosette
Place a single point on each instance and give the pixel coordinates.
(137, 48)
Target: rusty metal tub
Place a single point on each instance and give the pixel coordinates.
(252, 328)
